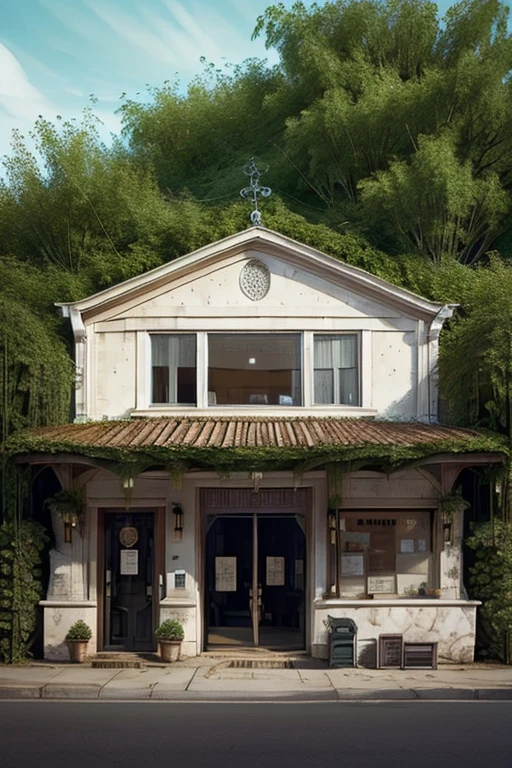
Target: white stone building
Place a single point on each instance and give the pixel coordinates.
(257, 441)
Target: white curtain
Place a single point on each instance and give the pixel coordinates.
(336, 370)
(173, 351)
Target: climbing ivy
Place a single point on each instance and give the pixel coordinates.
(20, 587)
(36, 373)
(250, 458)
(491, 582)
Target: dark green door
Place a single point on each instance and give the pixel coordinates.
(129, 581)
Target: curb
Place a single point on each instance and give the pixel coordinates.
(92, 693)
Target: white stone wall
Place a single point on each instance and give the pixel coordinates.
(112, 379)
(186, 614)
(393, 358)
(58, 618)
(394, 392)
(449, 623)
(451, 560)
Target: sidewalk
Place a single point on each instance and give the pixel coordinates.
(212, 679)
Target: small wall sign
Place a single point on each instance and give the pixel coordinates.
(381, 584)
(129, 565)
(352, 565)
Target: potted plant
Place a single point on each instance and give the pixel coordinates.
(77, 640)
(170, 634)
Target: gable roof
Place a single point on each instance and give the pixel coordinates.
(274, 244)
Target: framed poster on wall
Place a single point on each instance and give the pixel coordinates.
(352, 564)
(225, 574)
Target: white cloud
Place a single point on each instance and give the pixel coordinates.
(150, 43)
(20, 101)
(203, 43)
(74, 91)
(18, 97)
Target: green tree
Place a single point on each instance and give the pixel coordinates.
(435, 202)
(87, 210)
(386, 88)
(476, 353)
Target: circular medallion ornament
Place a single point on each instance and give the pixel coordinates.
(255, 280)
(128, 536)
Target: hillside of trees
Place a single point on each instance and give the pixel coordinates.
(386, 133)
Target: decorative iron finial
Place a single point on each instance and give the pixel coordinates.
(254, 189)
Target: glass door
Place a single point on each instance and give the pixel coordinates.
(255, 581)
(281, 576)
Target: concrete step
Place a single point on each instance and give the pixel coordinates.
(120, 660)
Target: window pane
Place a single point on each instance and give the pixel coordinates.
(336, 360)
(254, 369)
(348, 386)
(394, 550)
(324, 385)
(173, 369)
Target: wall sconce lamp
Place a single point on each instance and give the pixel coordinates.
(447, 527)
(332, 526)
(128, 483)
(447, 532)
(71, 521)
(177, 511)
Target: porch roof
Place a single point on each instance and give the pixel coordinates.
(230, 440)
(236, 432)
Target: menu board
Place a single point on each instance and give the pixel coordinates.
(225, 574)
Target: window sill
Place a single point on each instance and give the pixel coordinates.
(396, 602)
(254, 410)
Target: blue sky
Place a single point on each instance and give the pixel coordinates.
(55, 53)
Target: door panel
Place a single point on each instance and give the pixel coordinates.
(229, 580)
(255, 580)
(281, 573)
(129, 581)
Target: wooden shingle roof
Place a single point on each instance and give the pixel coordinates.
(240, 431)
(244, 442)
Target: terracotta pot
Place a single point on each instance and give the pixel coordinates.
(77, 650)
(170, 650)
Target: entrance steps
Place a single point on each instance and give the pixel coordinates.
(121, 660)
(249, 653)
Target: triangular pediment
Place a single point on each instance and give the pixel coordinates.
(300, 277)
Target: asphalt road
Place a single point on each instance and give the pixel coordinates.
(223, 735)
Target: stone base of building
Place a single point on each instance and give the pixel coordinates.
(59, 616)
(449, 623)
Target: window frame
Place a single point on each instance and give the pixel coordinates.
(361, 583)
(336, 372)
(156, 404)
(307, 371)
(298, 334)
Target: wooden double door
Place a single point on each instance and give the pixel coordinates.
(255, 580)
(130, 579)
